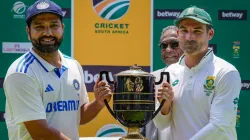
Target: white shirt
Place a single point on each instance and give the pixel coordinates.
(161, 134)
(205, 100)
(36, 90)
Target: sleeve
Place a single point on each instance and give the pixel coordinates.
(23, 98)
(223, 109)
(161, 121)
(84, 94)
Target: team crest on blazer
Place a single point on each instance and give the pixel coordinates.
(209, 85)
(111, 9)
(76, 84)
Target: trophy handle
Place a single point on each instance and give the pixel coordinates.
(110, 82)
(163, 101)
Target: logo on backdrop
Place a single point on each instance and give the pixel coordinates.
(245, 85)
(66, 12)
(16, 47)
(19, 9)
(111, 10)
(91, 73)
(232, 14)
(111, 130)
(236, 49)
(167, 13)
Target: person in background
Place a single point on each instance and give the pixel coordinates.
(170, 53)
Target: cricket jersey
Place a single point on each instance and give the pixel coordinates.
(151, 131)
(205, 100)
(37, 90)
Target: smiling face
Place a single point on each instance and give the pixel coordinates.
(46, 33)
(170, 50)
(194, 36)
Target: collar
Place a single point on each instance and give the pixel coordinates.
(205, 60)
(47, 66)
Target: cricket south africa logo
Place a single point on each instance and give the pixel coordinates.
(19, 9)
(111, 9)
(110, 13)
(209, 85)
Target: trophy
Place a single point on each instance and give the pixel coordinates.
(134, 99)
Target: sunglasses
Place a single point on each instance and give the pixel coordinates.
(173, 44)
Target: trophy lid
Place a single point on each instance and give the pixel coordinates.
(134, 71)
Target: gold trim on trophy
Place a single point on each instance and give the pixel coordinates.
(133, 134)
(136, 85)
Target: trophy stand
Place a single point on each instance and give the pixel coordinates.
(133, 134)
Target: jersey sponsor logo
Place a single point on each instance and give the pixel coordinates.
(111, 130)
(49, 88)
(68, 105)
(76, 84)
(209, 86)
(175, 82)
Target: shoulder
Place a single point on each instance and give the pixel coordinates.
(158, 71)
(21, 64)
(224, 71)
(223, 67)
(70, 61)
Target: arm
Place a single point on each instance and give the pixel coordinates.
(223, 109)
(26, 106)
(89, 111)
(45, 131)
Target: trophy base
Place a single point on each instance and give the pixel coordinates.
(133, 134)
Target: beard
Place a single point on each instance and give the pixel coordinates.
(191, 47)
(47, 48)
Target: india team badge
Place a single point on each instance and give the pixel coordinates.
(236, 49)
(42, 5)
(209, 86)
(76, 84)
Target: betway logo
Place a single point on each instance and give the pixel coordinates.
(167, 14)
(92, 78)
(91, 73)
(245, 84)
(232, 14)
(66, 12)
